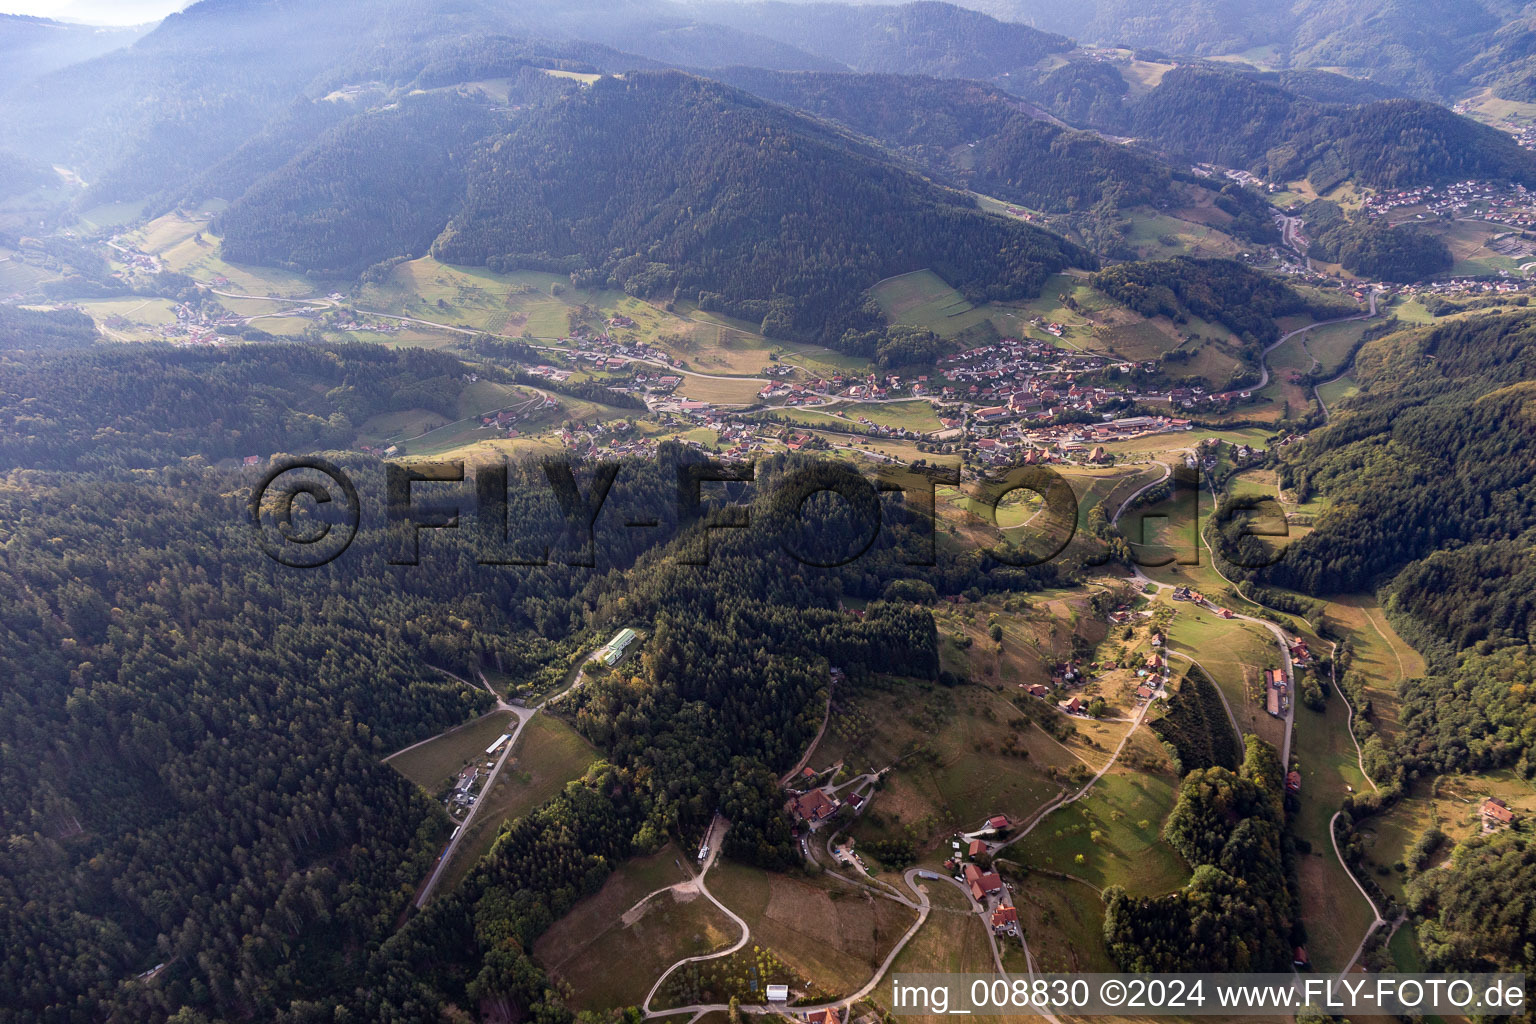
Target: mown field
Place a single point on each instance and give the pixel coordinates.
(611, 947)
(1335, 913)
(1111, 836)
(548, 754)
(956, 758)
(833, 936)
(433, 765)
(1234, 654)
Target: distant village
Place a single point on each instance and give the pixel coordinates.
(1491, 201)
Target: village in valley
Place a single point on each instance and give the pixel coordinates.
(972, 824)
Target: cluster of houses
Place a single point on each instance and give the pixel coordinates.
(1495, 201)
(1010, 380)
(507, 419)
(607, 439)
(605, 354)
(656, 383)
(1076, 442)
(985, 884)
(1469, 286)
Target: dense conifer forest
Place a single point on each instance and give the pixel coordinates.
(146, 406)
(665, 184)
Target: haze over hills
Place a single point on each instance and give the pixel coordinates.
(606, 277)
(1427, 48)
(31, 47)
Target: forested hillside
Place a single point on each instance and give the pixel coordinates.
(1436, 452)
(923, 38)
(144, 406)
(1225, 291)
(972, 134)
(20, 175)
(1239, 121)
(382, 184)
(31, 47)
(1430, 50)
(147, 120)
(1378, 252)
(32, 329)
(1429, 475)
(667, 185)
(209, 796)
(1239, 911)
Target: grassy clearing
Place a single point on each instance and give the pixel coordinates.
(741, 391)
(388, 427)
(1262, 483)
(1234, 654)
(609, 951)
(1381, 658)
(18, 277)
(1336, 391)
(952, 940)
(1491, 109)
(1331, 345)
(831, 935)
(111, 215)
(132, 319)
(548, 755)
(1449, 803)
(433, 765)
(1178, 440)
(1156, 235)
(546, 308)
(1468, 242)
(960, 756)
(921, 299)
(1111, 836)
(1064, 923)
(1035, 635)
(1335, 913)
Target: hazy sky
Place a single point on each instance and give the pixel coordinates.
(98, 12)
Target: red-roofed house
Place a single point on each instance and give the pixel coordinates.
(1497, 813)
(1004, 918)
(982, 883)
(812, 806)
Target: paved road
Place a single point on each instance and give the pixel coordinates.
(1333, 673)
(1334, 838)
(1279, 634)
(523, 714)
(924, 908)
(1264, 357)
(1062, 801)
(715, 837)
